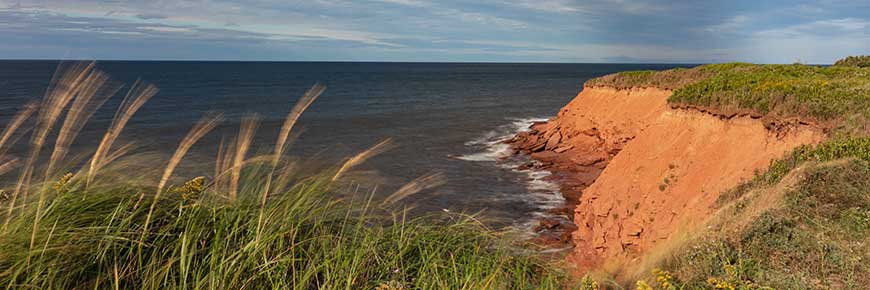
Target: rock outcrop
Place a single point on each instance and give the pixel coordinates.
(643, 171)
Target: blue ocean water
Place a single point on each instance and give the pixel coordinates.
(443, 117)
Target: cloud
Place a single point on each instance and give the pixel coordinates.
(730, 25)
(553, 6)
(827, 27)
(415, 3)
(151, 16)
(423, 30)
(484, 19)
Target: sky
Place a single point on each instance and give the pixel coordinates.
(777, 31)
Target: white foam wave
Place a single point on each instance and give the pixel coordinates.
(493, 152)
(542, 193)
(492, 142)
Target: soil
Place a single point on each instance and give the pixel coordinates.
(636, 171)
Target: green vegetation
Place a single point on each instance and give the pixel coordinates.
(667, 79)
(260, 222)
(92, 238)
(843, 148)
(836, 97)
(814, 237)
(804, 222)
(854, 61)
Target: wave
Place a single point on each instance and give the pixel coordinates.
(541, 193)
(492, 142)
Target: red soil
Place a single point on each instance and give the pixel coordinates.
(642, 171)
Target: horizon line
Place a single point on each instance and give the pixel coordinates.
(377, 61)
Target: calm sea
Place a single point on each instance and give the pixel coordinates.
(443, 117)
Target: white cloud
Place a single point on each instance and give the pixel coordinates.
(484, 19)
(829, 27)
(553, 6)
(730, 25)
(416, 3)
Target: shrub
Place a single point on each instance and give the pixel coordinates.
(809, 241)
(838, 96)
(854, 61)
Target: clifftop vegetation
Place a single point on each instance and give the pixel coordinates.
(836, 96)
(854, 61)
(803, 223)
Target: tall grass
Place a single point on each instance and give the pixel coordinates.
(835, 97)
(261, 222)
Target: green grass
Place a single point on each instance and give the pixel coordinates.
(840, 148)
(265, 221)
(836, 97)
(91, 239)
(816, 239)
(854, 61)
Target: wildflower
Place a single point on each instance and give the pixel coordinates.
(720, 284)
(642, 285)
(665, 279)
(192, 188)
(587, 283)
(62, 183)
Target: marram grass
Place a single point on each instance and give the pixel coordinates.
(260, 222)
(308, 240)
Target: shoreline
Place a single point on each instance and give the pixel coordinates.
(635, 170)
(572, 178)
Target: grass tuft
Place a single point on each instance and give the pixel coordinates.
(300, 232)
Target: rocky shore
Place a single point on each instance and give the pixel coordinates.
(636, 171)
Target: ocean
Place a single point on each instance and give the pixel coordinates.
(443, 117)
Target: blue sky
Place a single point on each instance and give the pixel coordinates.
(429, 30)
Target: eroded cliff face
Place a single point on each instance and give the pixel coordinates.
(660, 170)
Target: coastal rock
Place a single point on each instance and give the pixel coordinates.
(619, 146)
(554, 140)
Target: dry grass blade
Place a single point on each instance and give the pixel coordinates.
(16, 123)
(121, 151)
(63, 87)
(136, 97)
(293, 116)
(219, 167)
(280, 145)
(58, 96)
(92, 95)
(226, 166)
(243, 142)
(8, 165)
(362, 157)
(199, 130)
(421, 183)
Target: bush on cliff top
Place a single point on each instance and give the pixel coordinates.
(854, 61)
(814, 237)
(838, 96)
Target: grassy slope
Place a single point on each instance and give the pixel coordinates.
(836, 94)
(260, 222)
(91, 239)
(817, 236)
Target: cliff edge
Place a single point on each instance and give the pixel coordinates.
(659, 171)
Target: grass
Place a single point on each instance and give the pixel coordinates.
(842, 148)
(261, 221)
(814, 237)
(804, 222)
(836, 97)
(854, 61)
